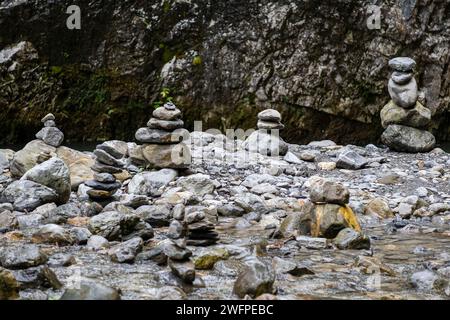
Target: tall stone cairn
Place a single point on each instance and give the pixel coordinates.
(404, 117)
(162, 139)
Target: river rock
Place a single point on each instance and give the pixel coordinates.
(79, 164)
(163, 113)
(327, 191)
(350, 239)
(185, 270)
(380, 208)
(405, 95)
(168, 125)
(126, 251)
(329, 219)
(157, 136)
(266, 125)
(9, 287)
(406, 139)
(402, 64)
(402, 77)
(206, 260)
(28, 195)
(116, 148)
(21, 257)
(90, 289)
(351, 160)
(54, 234)
(54, 174)
(97, 242)
(151, 183)
(108, 225)
(6, 156)
(37, 277)
(105, 158)
(418, 117)
(256, 279)
(51, 136)
(269, 115)
(8, 221)
(199, 184)
(175, 156)
(33, 153)
(155, 215)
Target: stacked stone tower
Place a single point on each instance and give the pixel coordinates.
(50, 134)
(404, 117)
(162, 139)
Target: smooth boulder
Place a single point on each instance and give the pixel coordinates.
(406, 139)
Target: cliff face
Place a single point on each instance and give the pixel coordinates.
(221, 61)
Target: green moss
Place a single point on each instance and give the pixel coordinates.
(166, 6)
(197, 61)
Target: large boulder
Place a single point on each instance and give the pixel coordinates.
(266, 144)
(54, 174)
(417, 117)
(79, 164)
(33, 153)
(28, 195)
(175, 156)
(327, 220)
(406, 139)
(151, 183)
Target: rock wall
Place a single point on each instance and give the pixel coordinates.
(221, 61)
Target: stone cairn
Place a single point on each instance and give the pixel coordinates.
(50, 134)
(107, 162)
(194, 227)
(162, 139)
(404, 117)
(266, 139)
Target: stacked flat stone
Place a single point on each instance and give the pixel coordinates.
(202, 233)
(50, 134)
(107, 160)
(104, 186)
(162, 147)
(404, 117)
(266, 139)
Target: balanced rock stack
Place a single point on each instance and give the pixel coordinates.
(103, 187)
(266, 139)
(200, 231)
(162, 139)
(50, 134)
(404, 117)
(107, 160)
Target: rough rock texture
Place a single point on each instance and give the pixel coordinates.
(223, 62)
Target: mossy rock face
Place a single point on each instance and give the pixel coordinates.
(207, 260)
(102, 81)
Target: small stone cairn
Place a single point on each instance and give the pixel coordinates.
(50, 134)
(266, 139)
(195, 228)
(104, 186)
(404, 117)
(107, 163)
(162, 139)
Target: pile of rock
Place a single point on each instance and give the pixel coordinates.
(266, 139)
(202, 233)
(107, 160)
(195, 227)
(103, 186)
(404, 117)
(50, 134)
(162, 139)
